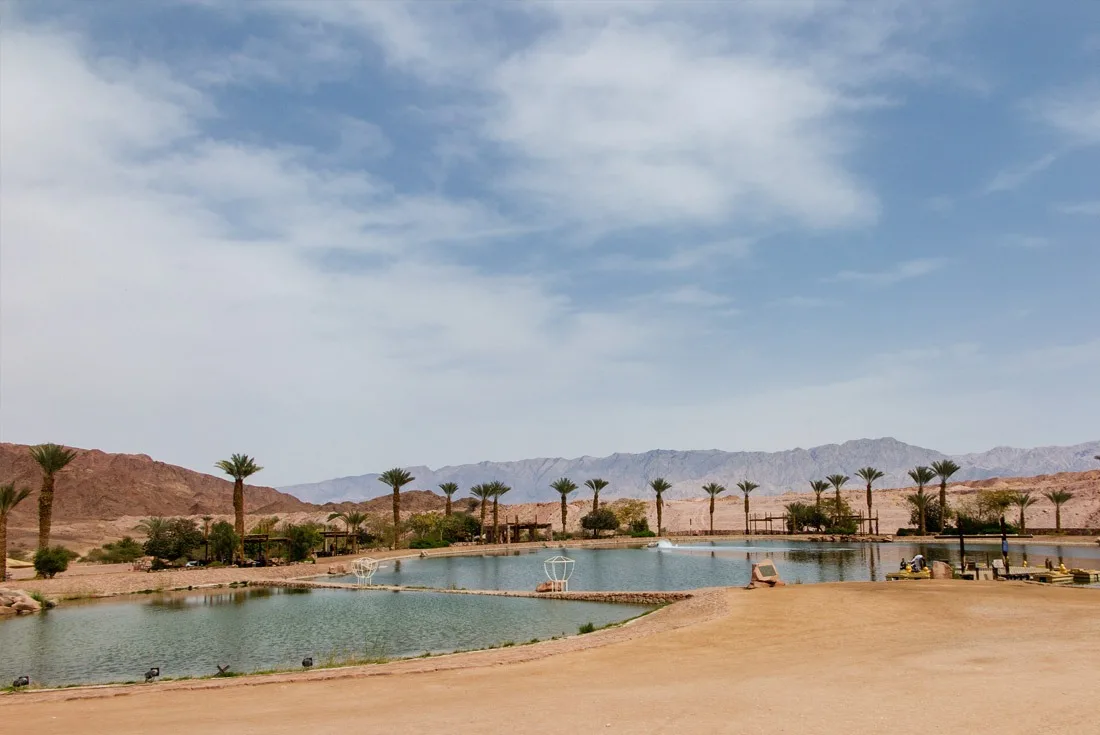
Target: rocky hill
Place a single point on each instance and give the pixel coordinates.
(776, 472)
(101, 486)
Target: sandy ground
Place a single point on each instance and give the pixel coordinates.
(927, 657)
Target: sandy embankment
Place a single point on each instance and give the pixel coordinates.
(929, 657)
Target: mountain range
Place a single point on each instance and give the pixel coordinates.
(775, 472)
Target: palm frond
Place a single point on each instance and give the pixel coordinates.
(52, 457)
(396, 478)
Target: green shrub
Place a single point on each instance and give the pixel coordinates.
(123, 551)
(642, 534)
(52, 561)
(302, 539)
(428, 543)
(600, 520)
(223, 542)
(586, 628)
(171, 538)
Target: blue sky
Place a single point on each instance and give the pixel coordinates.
(343, 236)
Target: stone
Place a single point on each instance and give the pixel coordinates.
(942, 570)
(24, 606)
(5, 610)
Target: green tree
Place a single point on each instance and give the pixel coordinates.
(9, 498)
(396, 478)
(660, 485)
(819, 487)
(301, 540)
(944, 469)
(837, 481)
(713, 489)
(449, 489)
(484, 493)
(171, 538)
(603, 519)
(564, 486)
(747, 487)
(595, 485)
(498, 489)
(51, 561)
(224, 542)
(1059, 498)
(869, 475)
(1023, 501)
(353, 523)
(922, 476)
(206, 520)
(240, 467)
(51, 459)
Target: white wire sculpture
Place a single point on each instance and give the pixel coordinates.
(364, 569)
(558, 570)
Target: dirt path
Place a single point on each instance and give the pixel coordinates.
(929, 657)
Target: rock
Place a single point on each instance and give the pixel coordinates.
(24, 606)
(5, 610)
(942, 570)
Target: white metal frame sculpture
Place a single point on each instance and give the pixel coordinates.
(558, 570)
(364, 569)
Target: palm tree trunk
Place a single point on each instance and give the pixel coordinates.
(868, 504)
(711, 515)
(943, 504)
(837, 521)
(238, 516)
(595, 500)
(45, 511)
(496, 522)
(396, 515)
(922, 522)
(1058, 518)
(447, 510)
(746, 514)
(564, 515)
(3, 548)
(1023, 522)
(483, 521)
(660, 508)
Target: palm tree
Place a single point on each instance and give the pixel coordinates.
(206, 537)
(9, 498)
(713, 489)
(747, 487)
(484, 493)
(818, 486)
(449, 489)
(838, 481)
(944, 469)
(595, 485)
(239, 467)
(1059, 498)
(396, 478)
(1023, 501)
(659, 486)
(922, 476)
(353, 520)
(51, 458)
(869, 475)
(497, 488)
(564, 486)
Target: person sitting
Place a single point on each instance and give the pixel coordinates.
(918, 563)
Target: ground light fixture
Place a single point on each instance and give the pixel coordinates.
(307, 662)
(152, 673)
(20, 682)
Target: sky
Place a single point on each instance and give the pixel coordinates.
(346, 236)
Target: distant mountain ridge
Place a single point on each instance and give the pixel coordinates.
(775, 472)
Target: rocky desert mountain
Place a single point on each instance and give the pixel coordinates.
(775, 472)
(102, 486)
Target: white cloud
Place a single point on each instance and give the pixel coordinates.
(1084, 208)
(901, 272)
(1073, 112)
(1027, 242)
(1013, 178)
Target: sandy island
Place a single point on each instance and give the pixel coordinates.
(923, 657)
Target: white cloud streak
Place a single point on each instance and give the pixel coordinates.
(901, 272)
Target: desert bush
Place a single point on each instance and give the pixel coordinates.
(586, 628)
(428, 543)
(302, 539)
(223, 542)
(603, 519)
(123, 551)
(460, 527)
(630, 512)
(51, 561)
(171, 538)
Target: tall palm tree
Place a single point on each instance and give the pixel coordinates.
(713, 489)
(396, 478)
(484, 493)
(747, 487)
(869, 475)
(206, 537)
(595, 485)
(9, 498)
(920, 500)
(944, 469)
(922, 476)
(51, 459)
(449, 489)
(564, 486)
(837, 481)
(1059, 498)
(498, 488)
(239, 467)
(659, 485)
(1023, 501)
(353, 521)
(818, 487)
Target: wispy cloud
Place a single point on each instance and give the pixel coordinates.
(1085, 208)
(901, 272)
(1024, 241)
(1013, 178)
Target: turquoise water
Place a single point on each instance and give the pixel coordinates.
(700, 564)
(256, 629)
